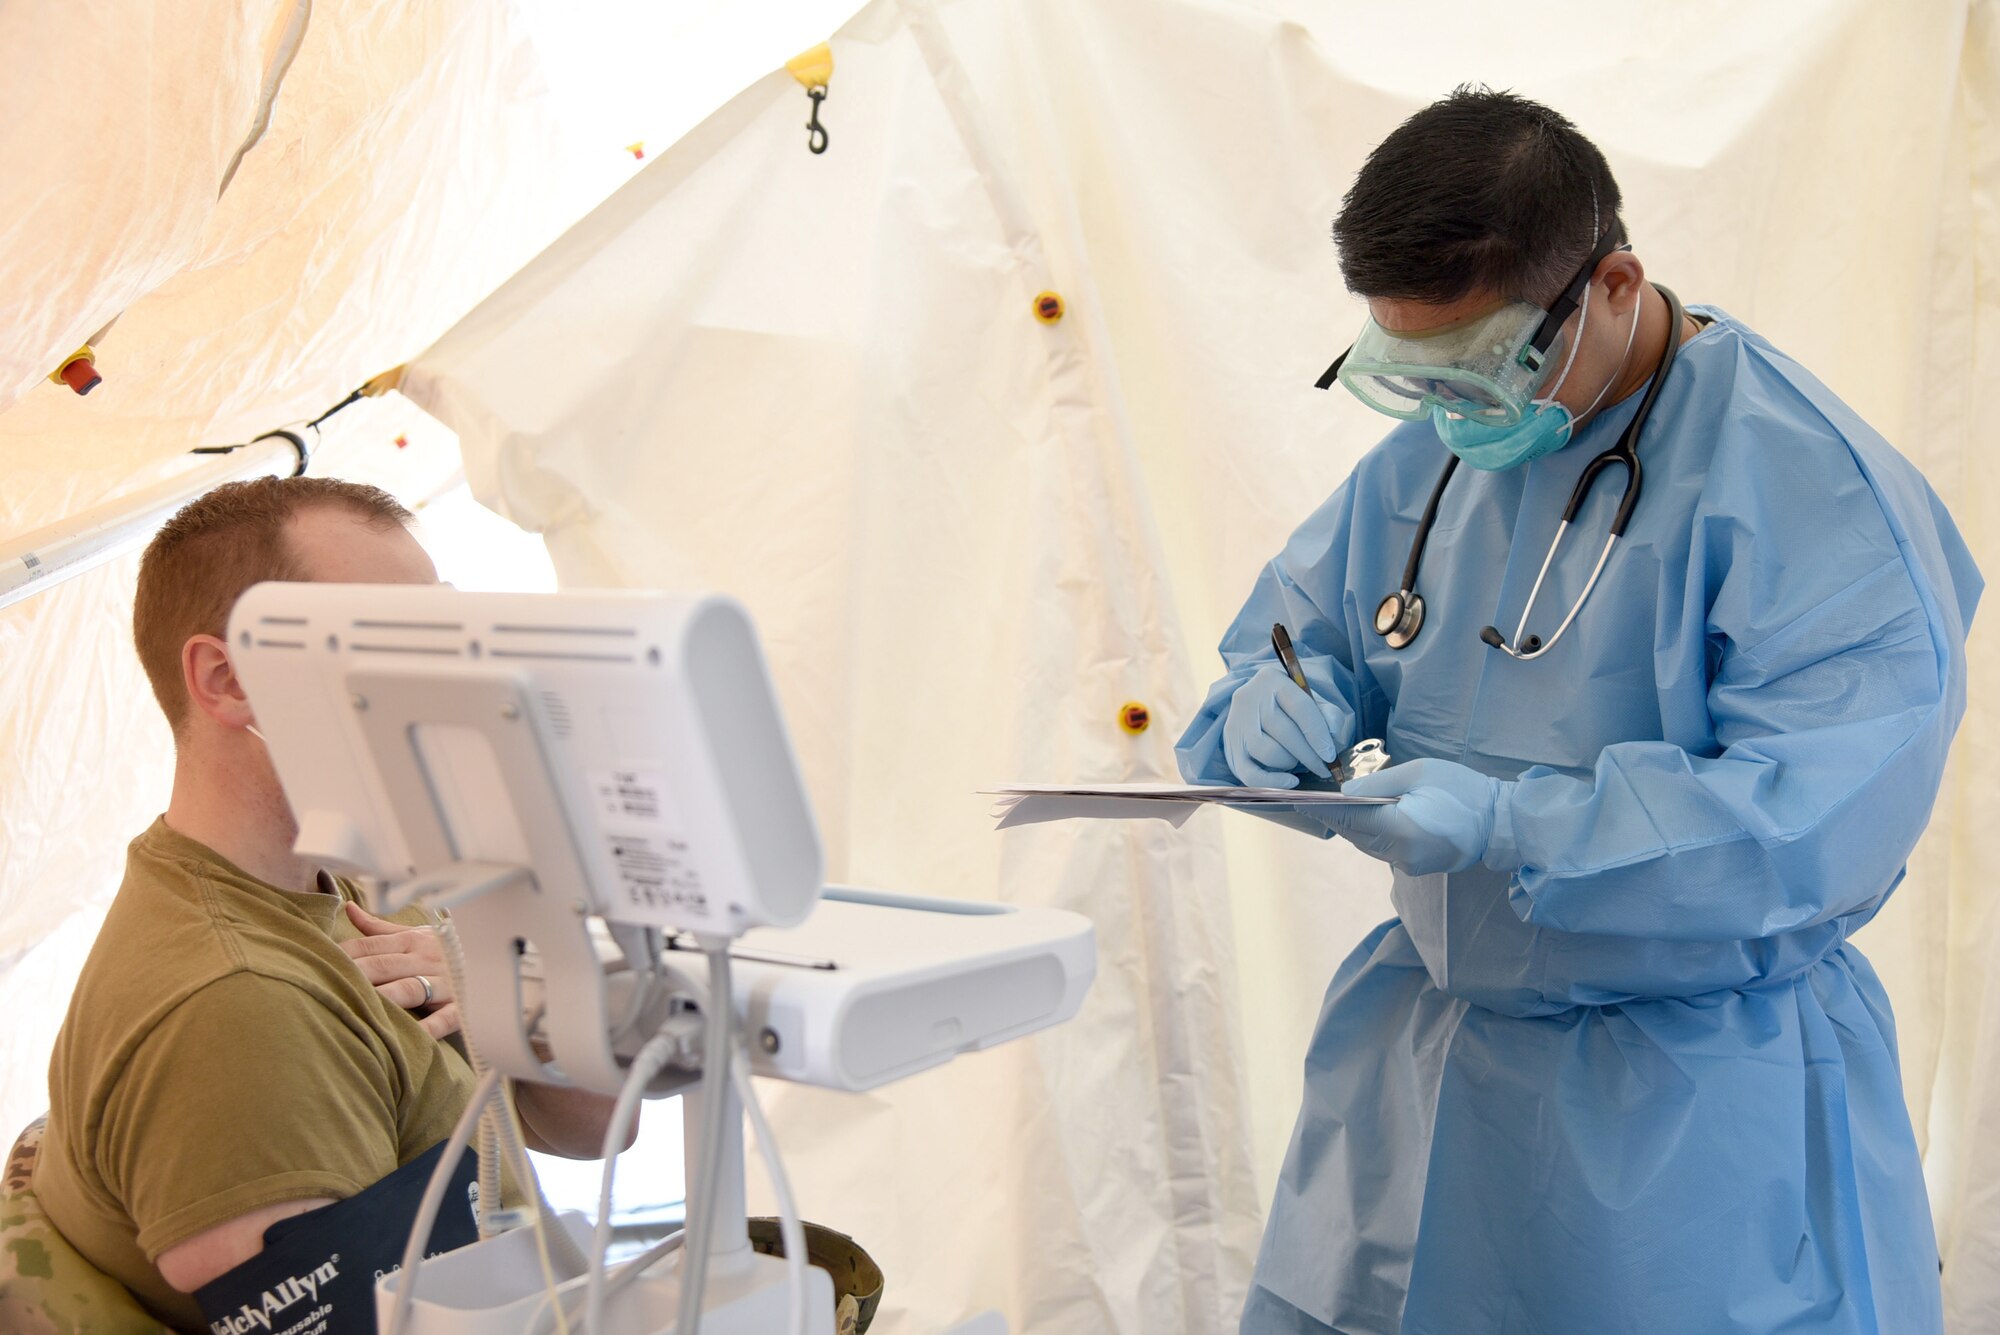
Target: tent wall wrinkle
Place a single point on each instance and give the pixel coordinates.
(406, 171)
(1964, 849)
(1093, 1179)
(133, 106)
(968, 537)
(1026, 523)
(1206, 1150)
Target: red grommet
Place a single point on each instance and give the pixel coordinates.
(80, 374)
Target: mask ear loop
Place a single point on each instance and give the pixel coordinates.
(1575, 344)
(1582, 318)
(1623, 357)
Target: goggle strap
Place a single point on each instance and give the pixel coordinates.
(1565, 305)
(1332, 372)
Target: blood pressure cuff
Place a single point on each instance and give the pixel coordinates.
(317, 1272)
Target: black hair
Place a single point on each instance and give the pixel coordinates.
(1482, 190)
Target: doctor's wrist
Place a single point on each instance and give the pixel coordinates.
(1502, 854)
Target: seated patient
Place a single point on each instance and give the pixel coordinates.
(246, 1043)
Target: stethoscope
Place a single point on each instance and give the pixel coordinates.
(1400, 616)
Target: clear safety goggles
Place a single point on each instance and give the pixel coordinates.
(1486, 368)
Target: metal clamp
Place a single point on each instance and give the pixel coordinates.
(1364, 757)
(816, 133)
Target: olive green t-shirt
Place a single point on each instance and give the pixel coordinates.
(222, 1053)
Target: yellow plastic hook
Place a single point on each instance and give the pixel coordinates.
(812, 68)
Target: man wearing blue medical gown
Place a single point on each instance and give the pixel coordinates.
(1613, 1067)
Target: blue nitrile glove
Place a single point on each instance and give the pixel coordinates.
(1273, 730)
(1442, 820)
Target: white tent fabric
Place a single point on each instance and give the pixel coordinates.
(415, 156)
(957, 580)
(968, 537)
(340, 245)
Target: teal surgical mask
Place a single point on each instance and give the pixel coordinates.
(1547, 428)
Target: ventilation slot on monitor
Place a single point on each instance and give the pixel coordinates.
(407, 625)
(614, 632)
(436, 651)
(558, 656)
(557, 710)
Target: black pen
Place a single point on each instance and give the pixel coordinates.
(1281, 640)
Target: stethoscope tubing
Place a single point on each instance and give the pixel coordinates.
(1625, 451)
(1424, 527)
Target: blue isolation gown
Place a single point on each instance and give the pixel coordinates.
(1639, 1083)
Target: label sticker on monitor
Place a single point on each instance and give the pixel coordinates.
(629, 795)
(654, 873)
(657, 879)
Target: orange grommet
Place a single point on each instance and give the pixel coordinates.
(1048, 307)
(81, 375)
(1134, 717)
(79, 371)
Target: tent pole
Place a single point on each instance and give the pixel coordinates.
(48, 556)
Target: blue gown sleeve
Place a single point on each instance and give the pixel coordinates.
(1303, 588)
(1824, 587)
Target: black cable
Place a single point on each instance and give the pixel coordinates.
(351, 398)
(292, 438)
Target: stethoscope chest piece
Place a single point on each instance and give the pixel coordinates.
(1399, 617)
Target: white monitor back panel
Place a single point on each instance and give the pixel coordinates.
(627, 746)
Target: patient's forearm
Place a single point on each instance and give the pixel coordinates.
(565, 1122)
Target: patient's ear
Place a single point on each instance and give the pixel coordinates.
(212, 688)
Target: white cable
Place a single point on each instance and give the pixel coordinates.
(565, 1248)
(477, 1111)
(491, 1203)
(720, 1014)
(427, 1211)
(644, 1067)
(635, 1007)
(499, 1134)
(618, 1281)
(789, 1225)
(500, 1137)
(653, 1056)
(516, 1151)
